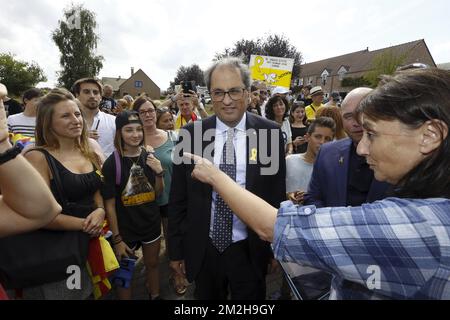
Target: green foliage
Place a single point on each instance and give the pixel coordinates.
(272, 45)
(384, 64)
(77, 42)
(19, 76)
(192, 73)
(355, 82)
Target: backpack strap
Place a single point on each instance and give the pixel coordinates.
(118, 167)
(172, 136)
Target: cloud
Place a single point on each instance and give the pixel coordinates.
(159, 36)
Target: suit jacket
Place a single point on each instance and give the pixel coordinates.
(328, 184)
(190, 200)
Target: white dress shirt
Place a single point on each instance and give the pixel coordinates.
(105, 124)
(240, 147)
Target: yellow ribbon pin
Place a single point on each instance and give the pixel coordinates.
(254, 155)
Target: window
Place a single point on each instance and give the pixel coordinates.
(342, 71)
(138, 84)
(324, 76)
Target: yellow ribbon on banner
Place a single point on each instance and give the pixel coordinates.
(259, 61)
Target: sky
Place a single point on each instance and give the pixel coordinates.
(160, 36)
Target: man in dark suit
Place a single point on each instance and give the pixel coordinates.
(206, 241)
(341, 177)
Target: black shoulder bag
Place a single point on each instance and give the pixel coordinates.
(43, 256)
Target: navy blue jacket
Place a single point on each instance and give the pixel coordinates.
(328, 184)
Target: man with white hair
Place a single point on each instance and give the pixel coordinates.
(108, 103)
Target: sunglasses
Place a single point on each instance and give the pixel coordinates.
(162, 110)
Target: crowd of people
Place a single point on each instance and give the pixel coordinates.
(361, 181)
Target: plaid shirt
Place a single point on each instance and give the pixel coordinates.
(395, 248)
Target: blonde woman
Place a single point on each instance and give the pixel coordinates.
(61, 133)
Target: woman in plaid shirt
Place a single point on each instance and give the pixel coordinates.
(397, 248)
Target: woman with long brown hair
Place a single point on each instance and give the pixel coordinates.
(61, 135)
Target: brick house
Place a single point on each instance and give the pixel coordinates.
(137, 84)
(329, 73)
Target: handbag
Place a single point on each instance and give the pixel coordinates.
(43, 256)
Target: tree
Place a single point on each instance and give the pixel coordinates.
(77, 42)
(272, 45)
(192, 73)
(384, 63)
(19, 76)
(355, 82)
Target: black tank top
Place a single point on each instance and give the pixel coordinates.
(77, 188)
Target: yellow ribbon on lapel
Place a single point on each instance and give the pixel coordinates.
(254, 155)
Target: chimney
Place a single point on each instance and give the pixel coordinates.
(132, 71)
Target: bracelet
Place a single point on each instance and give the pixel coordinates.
(117, 242)
(116, 239)
(10, 154)
(161, 174)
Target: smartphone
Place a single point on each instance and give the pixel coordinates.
(188, 86)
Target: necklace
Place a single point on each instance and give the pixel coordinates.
(134, 162)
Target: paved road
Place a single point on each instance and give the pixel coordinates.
(167, 293)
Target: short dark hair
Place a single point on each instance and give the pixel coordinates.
(77, 85)
(31, 94)
(137, 104)
(336, 115)
(414, 97)
(325, 122)
(269, 107)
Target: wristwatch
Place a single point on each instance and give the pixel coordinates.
(10, 154)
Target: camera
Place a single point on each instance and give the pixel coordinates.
(188, 86)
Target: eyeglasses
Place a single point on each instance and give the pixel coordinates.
(235, 94)
(144, 112)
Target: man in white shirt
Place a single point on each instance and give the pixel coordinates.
(102, 126)
(299, 167)
(24, 123)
